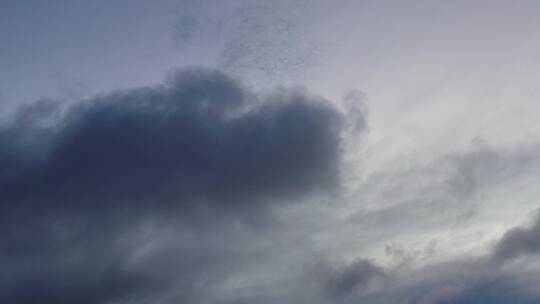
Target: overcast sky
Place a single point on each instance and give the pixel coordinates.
(283, 151)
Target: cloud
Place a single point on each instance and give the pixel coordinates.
(339, 282)
(440, 195)
(518, 242)
(254, 38)
(80, 187)
(486, 278)
(190, 139)
(467, 279)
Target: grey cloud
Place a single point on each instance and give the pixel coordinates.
(47, 264)
(198, 153)
(433, 197)
(174, 144)
(465, 280)
(484, 279)
(485, 165)
(341, 281)
(448, 190)
(519, 241)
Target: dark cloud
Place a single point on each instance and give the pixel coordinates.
(518, 242)
(62, 286)
(339, 282)
(77, 184)
(193, 139)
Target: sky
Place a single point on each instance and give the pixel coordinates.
(251, 151)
